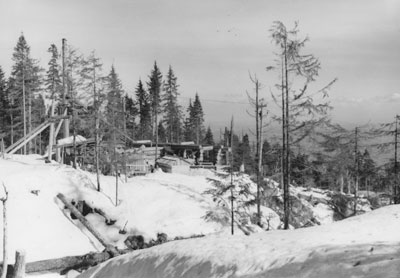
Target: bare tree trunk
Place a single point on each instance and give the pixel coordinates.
(24, 104)
(356, 169)
(259, 170)
(232, 211)
(5, 233)
(97, 126)
(12, 126)
(29, 119)
(396, 178)
(341, 183)
(348, 185)
(115, 161)
(286, 151)
(156, 131)
(2, 148)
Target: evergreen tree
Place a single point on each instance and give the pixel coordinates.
(171, 109)
(144, 107)
(209, 138)
(53, 80)
(368, 170)
(26, 80)
(4, 104)
(154, 89)
(131, 113)
(114, 107)
(188, 125)
(197, 120)
(243, 155)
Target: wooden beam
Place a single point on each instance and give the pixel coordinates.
(23, 141)
(87, 224)
(65, 264)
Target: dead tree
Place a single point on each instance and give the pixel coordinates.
(300, 114)
(259, 105)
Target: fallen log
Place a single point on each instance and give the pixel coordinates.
(64, 264)
(88, 226)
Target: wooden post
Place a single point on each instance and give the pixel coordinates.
(19, 266)
(65, 89)
(86, 223)
(5, 241)
(51, 135)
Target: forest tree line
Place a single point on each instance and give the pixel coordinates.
(77, 84)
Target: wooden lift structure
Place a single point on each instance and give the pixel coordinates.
(53, 134)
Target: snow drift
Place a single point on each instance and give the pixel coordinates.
(363, 246)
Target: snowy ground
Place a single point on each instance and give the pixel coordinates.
(363, 246)
(174, 204)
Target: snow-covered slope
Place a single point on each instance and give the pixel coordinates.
(35, 221)
(173, 204)
(363, 246)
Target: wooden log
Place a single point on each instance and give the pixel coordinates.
(87, 224)
(19, 266)
(64, 264)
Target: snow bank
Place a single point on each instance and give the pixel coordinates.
(35, 221)
(355, 247)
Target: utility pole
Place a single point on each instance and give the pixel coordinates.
(72, 97)
(156, 131)
(125, 131)
(65, 89)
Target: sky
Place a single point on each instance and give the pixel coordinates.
(212, 47)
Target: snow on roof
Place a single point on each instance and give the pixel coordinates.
(70, 140)
(187, 143)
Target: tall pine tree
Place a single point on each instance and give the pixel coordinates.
(144, 110)
(131, 112)
(53, 79)
(114, 107)
(4, 120)
(154, 89)
(197, 120)
(26, 80)
(209, 138)
(171, 108)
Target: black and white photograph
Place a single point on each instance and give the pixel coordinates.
(199, 139)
